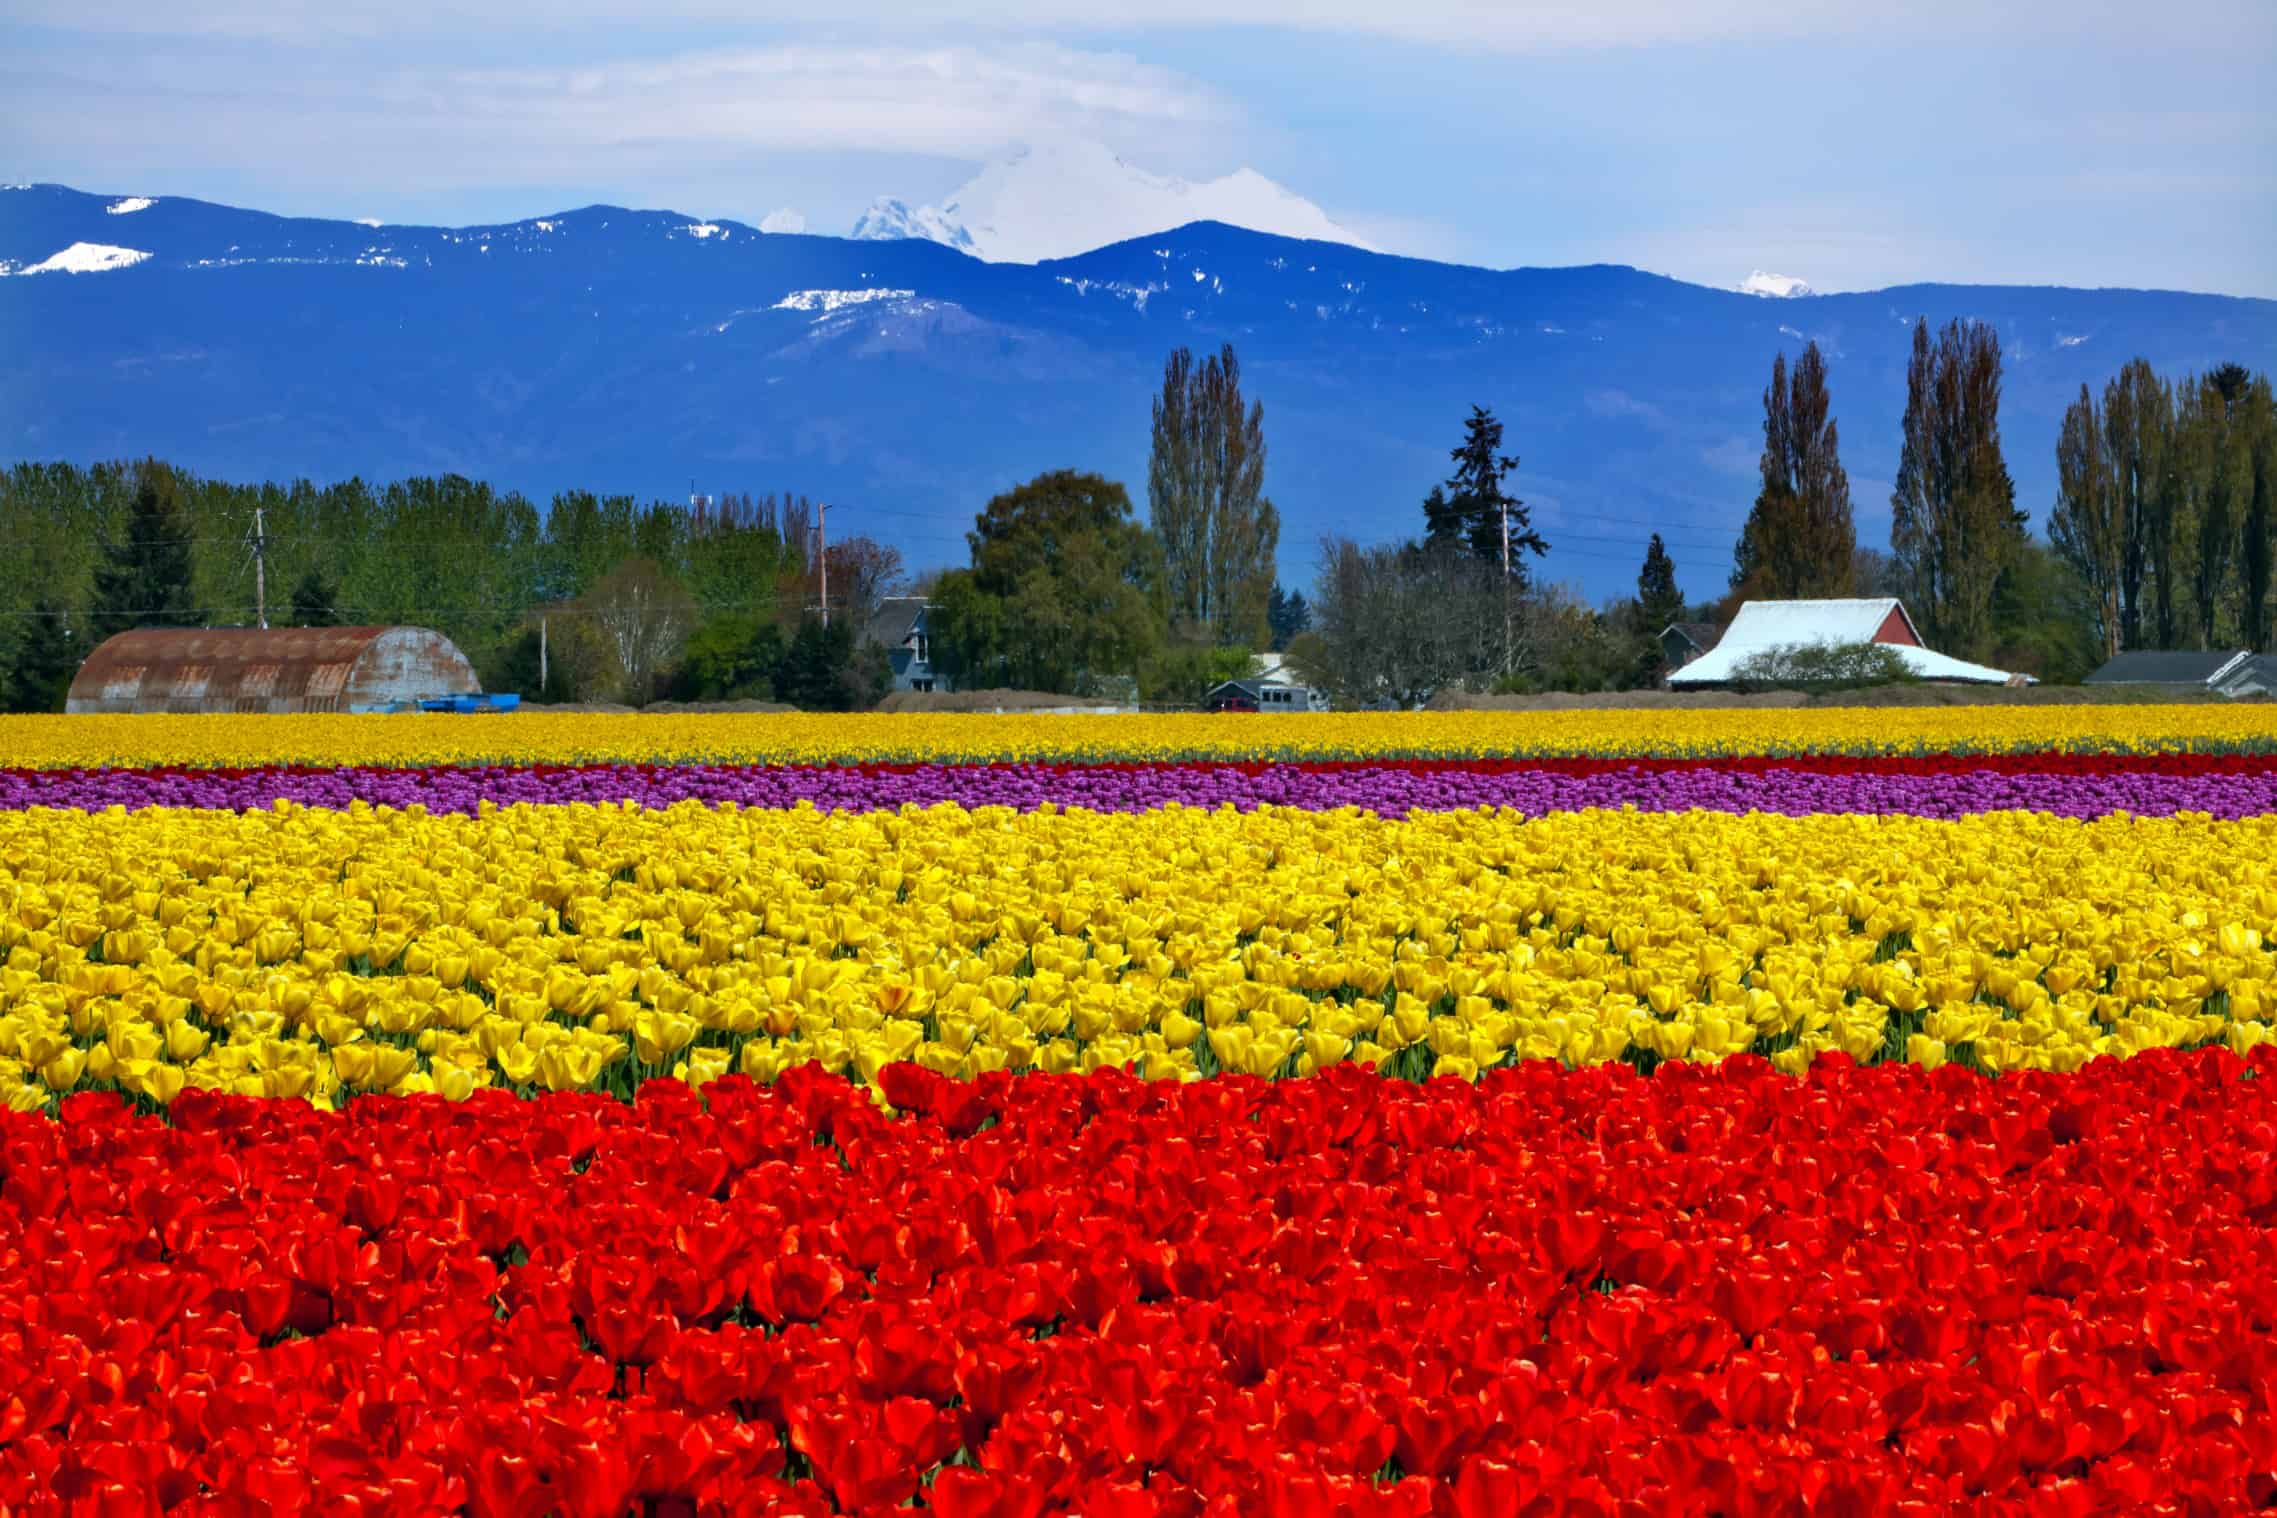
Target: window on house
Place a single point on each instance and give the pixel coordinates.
(921, 685)
(924, 649)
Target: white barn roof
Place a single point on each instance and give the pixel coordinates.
(1765, 625)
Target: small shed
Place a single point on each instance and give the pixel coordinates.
(1765, 626)
(2229, 672)
(275, 669)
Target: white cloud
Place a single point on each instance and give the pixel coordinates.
(956, 101)
(681, 127)
(1501, 25)
(783, 219)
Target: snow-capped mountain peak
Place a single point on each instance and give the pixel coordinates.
(1777, 286)
(1061, 198)
(889, 219)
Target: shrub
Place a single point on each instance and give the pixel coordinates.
(1823, 667)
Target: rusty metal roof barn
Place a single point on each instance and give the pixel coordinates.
(280, 669)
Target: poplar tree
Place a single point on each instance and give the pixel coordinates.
(2089, 526)
(1800, 539)
(2257, 558)
(1954, 528)
(1205, 487)
(2134, 409)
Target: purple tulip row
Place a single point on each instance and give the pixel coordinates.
(1386, 790)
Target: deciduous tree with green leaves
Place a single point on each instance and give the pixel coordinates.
(1060, 595)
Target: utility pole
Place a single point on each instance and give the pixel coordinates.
(1506, 634)
(541, 657)
(260, 571)
(822, 555)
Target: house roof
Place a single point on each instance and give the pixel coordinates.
(1701, 635)
(2150, 666)
(895, 617)
(1253, 689)
(1762, 626)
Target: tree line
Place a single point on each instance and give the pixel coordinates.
(2164, 507)
(616, 599)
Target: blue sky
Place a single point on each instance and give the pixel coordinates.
(2085, 143)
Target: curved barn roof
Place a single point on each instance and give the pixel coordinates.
(278, 669)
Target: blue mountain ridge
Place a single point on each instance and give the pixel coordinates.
(642, 351)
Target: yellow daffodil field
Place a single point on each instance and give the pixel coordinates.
(295, 951)
(584, 903)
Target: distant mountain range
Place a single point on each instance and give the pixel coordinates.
(1059, 199)
(906, 382)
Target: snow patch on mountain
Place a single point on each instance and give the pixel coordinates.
(1058, 199)
(130, 205)
(704, 229)
(830, 300)
(1776, 286)
(84, 258)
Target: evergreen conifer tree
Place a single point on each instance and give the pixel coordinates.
(1661, 602)
(47, 657)
(143, 579)
(1287, 615)
(1469, 509)
(315, 601)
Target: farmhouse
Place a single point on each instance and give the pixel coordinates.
(2227, 672)
(1767, 626)
(1274, 688)
(260, 669)
(901, 626)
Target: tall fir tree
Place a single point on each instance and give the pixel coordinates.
(1288, 616)
(1205, 487)
(1799, 541)
(2088, 528)
(1954, 527)
(315, 601)
(1470, 509)
(1661, 603)
(143, 579)
(48, 655)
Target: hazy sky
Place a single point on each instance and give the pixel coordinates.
(2084, 143)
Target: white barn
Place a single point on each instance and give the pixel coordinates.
(1767, 626)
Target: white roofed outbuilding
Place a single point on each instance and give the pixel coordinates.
(1767, 626)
